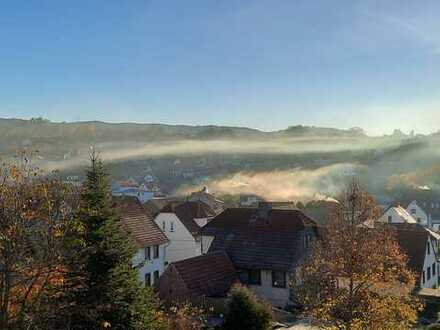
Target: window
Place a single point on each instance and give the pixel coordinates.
(147, 253)
(255, 276)
(252, 277)
(163, 225)
(413, 211)
(429, 247)
(147, 279)
(428, 272)
(423, 277)
(390, 219)
(433, 269)
(419, 220)
(307, 240)
(278, 279)
(172, 226)
(156, 251)
(156, 277)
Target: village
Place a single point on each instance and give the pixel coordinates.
(195, 248)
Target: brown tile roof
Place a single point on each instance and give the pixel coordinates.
(412, 239)
(141, 227)
(207, 275)
(252, 240)
(187, 212)
(153, 206)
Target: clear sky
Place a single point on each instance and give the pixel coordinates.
(266, 64)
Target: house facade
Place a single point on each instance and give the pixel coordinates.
(265, 245)
(181, 222)
(425, 208)
(421, 246)
(397, 214)
(150, 241)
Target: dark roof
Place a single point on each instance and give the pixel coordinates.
(320, 211)
(207, 275)
(412, 239)
(188, 211)
(141, 227)
(153, 206)
(256, 239)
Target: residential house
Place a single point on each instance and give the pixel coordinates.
(150, 241)
(265, 245)
(206, 197)
(397, 214)
(198, 277)
(181, 222)
(425, 208)
(141, 194)
(422, 247)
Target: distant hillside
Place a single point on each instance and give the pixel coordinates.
(41, 130)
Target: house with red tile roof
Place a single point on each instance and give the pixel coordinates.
(203, 276)
(266, 245)
(149, 239)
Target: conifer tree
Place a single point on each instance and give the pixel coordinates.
(102, 289)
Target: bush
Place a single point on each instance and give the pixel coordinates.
(244, 311)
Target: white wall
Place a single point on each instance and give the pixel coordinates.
(395, 216)
(182, 244)
(278, 297)
(430, 260)
(417, 213)
(151, 265)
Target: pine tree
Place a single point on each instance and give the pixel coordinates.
(102, 289)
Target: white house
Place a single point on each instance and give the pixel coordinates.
(418, 213)
(181, 222)
(425, 209)
(266, 246)
(146, 235)
(421, 245)
(396, 214)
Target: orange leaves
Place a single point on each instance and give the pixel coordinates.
(356, 272)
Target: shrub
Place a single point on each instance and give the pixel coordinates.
(244, 311)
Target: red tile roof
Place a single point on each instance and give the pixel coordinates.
(207, 275)
(141, 227)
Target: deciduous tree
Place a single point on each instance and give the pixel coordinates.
(35, 220)
(357, 276)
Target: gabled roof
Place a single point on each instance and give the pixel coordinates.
(404, 214)
(187, 212)
(252, 239)
(140, 226)
(320, 211)
(412, 239)
(207, 275)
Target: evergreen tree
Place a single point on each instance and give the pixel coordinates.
(102, 289)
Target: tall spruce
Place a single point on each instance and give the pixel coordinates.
(102, 289)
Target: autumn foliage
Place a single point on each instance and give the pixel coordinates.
(35, 221)
(357, 277)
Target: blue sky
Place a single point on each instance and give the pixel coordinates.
(259, 63)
